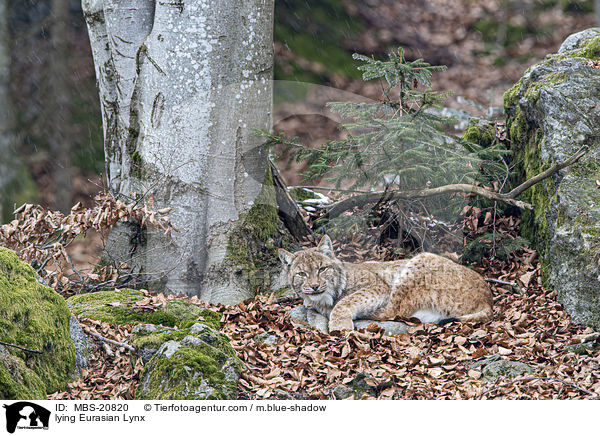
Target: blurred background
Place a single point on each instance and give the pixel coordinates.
(50, 124)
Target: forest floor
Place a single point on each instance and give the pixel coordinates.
(430, 362)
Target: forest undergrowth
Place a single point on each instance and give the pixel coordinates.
(430, 362)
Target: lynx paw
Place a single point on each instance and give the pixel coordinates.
(340, 324)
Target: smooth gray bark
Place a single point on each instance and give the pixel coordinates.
(183, 85)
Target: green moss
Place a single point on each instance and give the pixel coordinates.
(301, 194)
(35, 317)
(589, 168)
(186, 375)
(119, 307)
(136, 164)
(252, 242)
(206, 316)
(156, 339)
(591, 49)
(19, 382)
(194, 371)
(509, 97)
(480, 132)
(526, 146)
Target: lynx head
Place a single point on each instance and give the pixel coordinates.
(315, 274)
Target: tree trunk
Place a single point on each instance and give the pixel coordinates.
(9, 172)
(60, 118)
(183, 85)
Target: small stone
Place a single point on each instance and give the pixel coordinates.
(201, 328)
(341, 392)
(146, 328)
(266, 338)
(282, 395)
(391, 328)
(298, 313)
(505, 368)
(169, 348)
(207, 334)
(582, 349)
(192, 341)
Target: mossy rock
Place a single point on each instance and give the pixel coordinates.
(195, 363)
(34, 317)
(119, 307)
(185, 356)
(480, 132)
(582, 349)
(551, 113)
(17, 381)
(505, 368)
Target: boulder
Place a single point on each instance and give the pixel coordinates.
(551, 113)
(121, 307)
(82, 345)
(185, 356)
(35, 317)
(196, 363)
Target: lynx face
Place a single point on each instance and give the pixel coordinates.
(315, 275)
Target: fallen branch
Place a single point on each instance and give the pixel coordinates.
(110, 341)
(501, 282)
(339, 207)
(29, 350)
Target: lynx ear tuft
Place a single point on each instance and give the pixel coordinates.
(286, 257)
(326, 247)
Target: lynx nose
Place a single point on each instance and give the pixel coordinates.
(315, 287)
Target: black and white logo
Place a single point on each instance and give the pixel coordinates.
(26, 415)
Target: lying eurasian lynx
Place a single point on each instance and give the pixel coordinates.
(428, 287)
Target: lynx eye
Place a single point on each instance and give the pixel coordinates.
(301, 274)
(323, 269)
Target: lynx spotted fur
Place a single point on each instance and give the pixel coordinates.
(429, 287)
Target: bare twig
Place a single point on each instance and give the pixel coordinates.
(110, 341)
(549, 172)
(339, 207)
(29, 350)
(501, 282)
